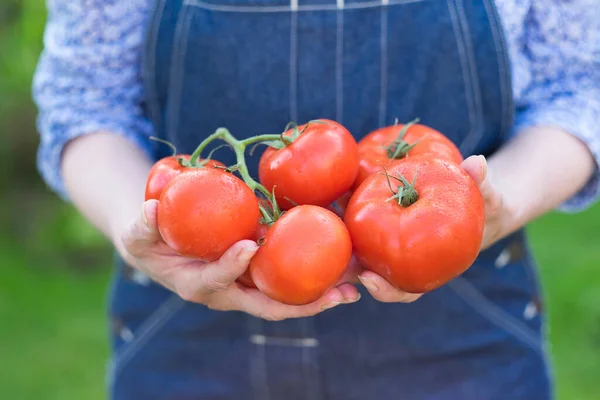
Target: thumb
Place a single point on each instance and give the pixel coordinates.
(143, 231)
(219, 275)
(476, 167)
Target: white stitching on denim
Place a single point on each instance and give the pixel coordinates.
(145, 332)
(311, 385)
(177, 67)
(502, 62)
(339, 63)
(286, 8)
(263, 340)
(152, 96)
(258, 362)
(294, 61)
(494, 314)
(464, 66)
(470, 142)
(383, 44)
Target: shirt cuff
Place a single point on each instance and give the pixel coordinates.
(578, 115)
(56, 135)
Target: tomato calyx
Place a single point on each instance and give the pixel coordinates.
(285, 140)
(399, 148)
(406, 194)
(269, 209)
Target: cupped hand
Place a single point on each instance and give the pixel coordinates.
(213, 284)
(495, 221)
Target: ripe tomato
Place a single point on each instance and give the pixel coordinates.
(164, 170)
(417, 247)
(204, 211)
(305, 252)
(385, 145)
(259, 235)
(316, 168)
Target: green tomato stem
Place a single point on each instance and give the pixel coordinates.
(239, 147)
(259, 138)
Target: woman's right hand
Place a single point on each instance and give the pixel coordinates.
(213, 284)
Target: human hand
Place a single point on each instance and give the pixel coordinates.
(496, 220)
(213, 284)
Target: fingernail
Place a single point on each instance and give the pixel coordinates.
(331, 305)
(369, 284)
(144, 215)
(246, 254)
(349, 301)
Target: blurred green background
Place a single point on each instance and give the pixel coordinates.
(54, 267)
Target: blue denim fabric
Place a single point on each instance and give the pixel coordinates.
(254, 65)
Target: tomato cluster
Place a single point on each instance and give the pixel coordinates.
(411, 213)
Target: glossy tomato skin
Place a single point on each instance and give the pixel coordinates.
(164, 170)
(304, 254)
(204, 211)
(245, 279)
(420, 247)
(318, 167)
(372, 152)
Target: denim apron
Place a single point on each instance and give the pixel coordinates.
(254, 65)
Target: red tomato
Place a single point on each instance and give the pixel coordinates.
(245, 279)
(204, 211)
(164, 170)
(378, 147)
(316, 168)
(305, 253)
(417, 247)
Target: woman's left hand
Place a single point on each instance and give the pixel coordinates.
(496, 220)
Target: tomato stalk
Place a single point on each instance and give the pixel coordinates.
(400, 148)
(239, 147)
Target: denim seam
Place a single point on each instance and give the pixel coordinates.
(474, 137)
(294, 60)
(257, 362)
(461, 47)
(177, 68)
(503, 67)
(145, 332)
(339, 62)
(494, 314)
(152, 96)
(287, 8)
(383, 60)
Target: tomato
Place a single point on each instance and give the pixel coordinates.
(259, 235)
(164, 170)
(305, 253)
(379, 147)
(417, 247)
(204, 211)
(316, 168)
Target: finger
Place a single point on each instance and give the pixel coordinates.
(258, 304)
(383, 291)
(351, 274)
(476, 167)
(143, 231)
(195, 281)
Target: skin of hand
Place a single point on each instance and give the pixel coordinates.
(109, 190)
(529, 176)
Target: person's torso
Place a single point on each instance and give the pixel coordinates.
(252, 66)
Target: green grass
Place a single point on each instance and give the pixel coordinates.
(53, 331)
